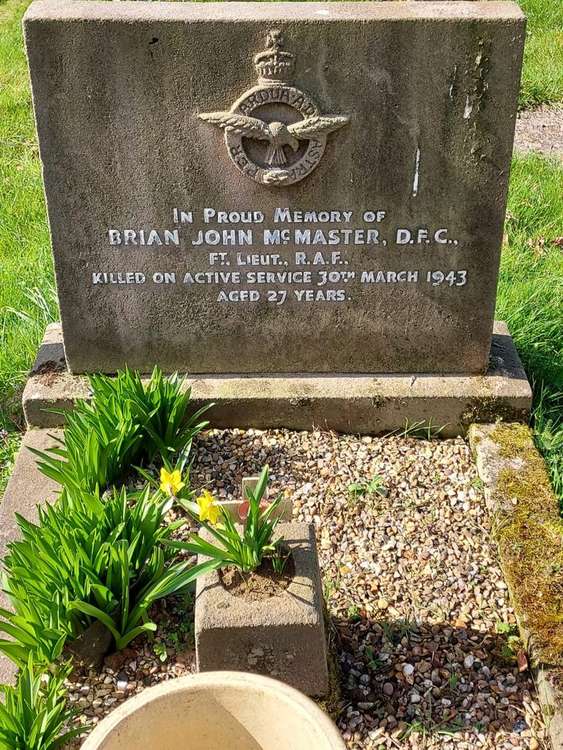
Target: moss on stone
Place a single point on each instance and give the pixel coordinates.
(530, 537)
(514, 440)
(491, 409)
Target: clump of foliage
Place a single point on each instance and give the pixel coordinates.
(127, 422)
(245, 548)
(101, 553)
(34, 715)
(375, 486)
(100, 442)
(89, 558)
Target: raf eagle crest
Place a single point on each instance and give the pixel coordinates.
(275, 133)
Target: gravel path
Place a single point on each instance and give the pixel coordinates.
(540, 130)
(420, 626)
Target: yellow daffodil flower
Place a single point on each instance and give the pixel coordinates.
(208, 508)
(171, 482)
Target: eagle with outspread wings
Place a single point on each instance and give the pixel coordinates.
(277, 134)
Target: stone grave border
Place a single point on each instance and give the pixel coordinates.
(505, 455)
(521, 499)
(282, 637)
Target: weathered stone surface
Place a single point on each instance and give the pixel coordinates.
(421, 99)
(361, 404)
(529, 531)
(282, 636)
(26, 489)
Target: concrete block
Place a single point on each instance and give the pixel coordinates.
(282, 636)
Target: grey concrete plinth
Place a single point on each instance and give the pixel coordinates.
(26, 489)
(282, 636)
(367, 404)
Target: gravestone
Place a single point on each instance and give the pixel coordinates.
(276, 188)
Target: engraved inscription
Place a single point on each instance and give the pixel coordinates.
(289, 256)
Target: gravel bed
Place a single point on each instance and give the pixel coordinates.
(422, 633)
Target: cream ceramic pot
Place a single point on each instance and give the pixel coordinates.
(214, 711)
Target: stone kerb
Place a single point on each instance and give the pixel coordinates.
(529, 534)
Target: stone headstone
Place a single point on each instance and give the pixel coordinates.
(276, 188)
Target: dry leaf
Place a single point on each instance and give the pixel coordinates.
(538, 246)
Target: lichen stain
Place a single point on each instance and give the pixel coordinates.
(530, 539)
(476, 96)
(490, 409)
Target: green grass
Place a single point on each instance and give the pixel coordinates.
(531, 273)
(27, 301)
(9, 444)
(530, 297)
(542, 79)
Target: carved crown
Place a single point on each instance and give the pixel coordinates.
(274, 65)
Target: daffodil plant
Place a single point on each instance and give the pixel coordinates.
(128, 422)
(171, 481)
(34, 714)
(245, 546)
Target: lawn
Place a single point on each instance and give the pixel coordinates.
(531, 280)
(530, 295)
(26, 278)
(542, 79)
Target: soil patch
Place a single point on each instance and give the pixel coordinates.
(261, 584)
(540, 130)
